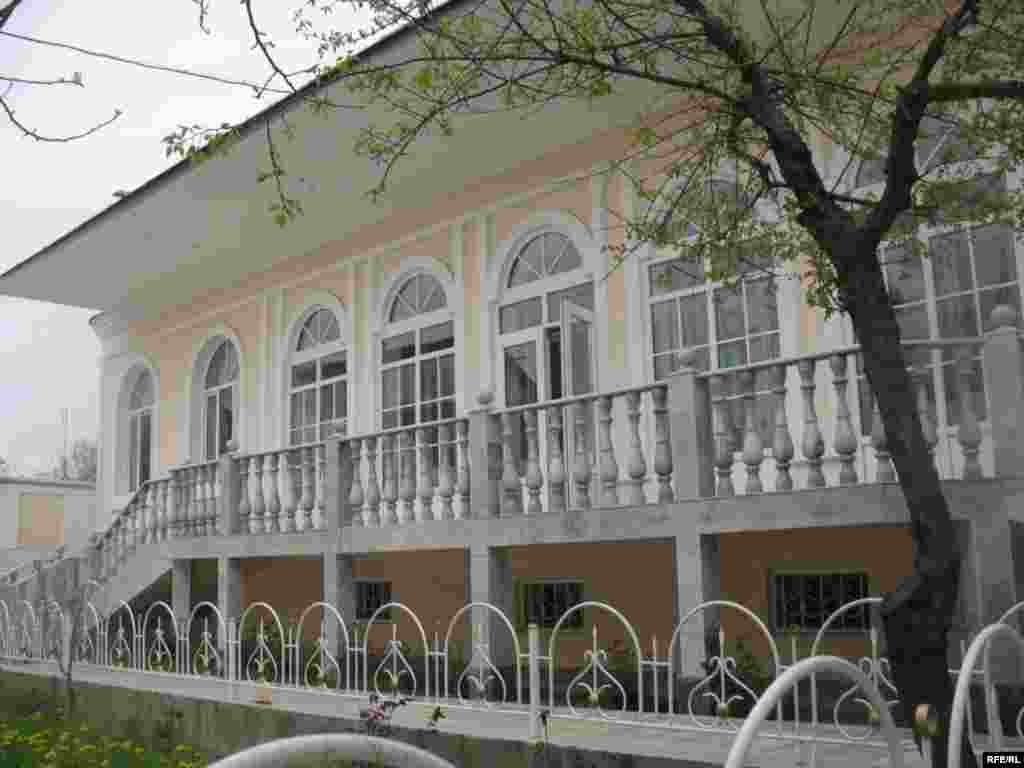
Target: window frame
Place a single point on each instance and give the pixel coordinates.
(383, 618)
(136, 415)
(316, 354)
(217, 392)
(522, 596)
(773, 599)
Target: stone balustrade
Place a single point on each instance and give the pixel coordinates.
(410, 474)
(282, 491)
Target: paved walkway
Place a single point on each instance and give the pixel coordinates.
(662, 736)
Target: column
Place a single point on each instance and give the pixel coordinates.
(339, 590)
(488, 580)
(181, 588)
(227, 502)
(229, 598)
(696, 579)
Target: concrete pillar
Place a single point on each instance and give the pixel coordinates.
(229, 602)
(696, 579)
(339, 590)
(489, 580)
(689, 415)
(181, 588)
(1003, 377)
(484, 469)
(227, 501)
(337, 484)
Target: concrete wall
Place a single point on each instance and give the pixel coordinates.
(38, 515)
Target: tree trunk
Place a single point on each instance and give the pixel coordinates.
(918, 615)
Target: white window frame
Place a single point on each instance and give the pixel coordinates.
(945, 429)
(218, 392)
(135, 417)
(316, 354)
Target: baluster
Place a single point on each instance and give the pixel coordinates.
(319, 503)
(213, 492)
(495, 463)
(636, 466)
(184, 499)
(812, 445)
(723, 439)
(270, 490)
(373, 511)
(512, 489)
(355, 491)
(289, 497)
(425, 485)
(171, 503)
(556, 463)
(244, 505)
(968, 433)
(199, 510)
(165, 509)
(304, 512)
(782, 446)
(609, 468)
(845, 441)
(389, 461)
(581, 462)
(753, 451)
(884, 472)
(257, 508)
(445, 484)
(153, 503)
(407, 489)
(534, 477)
(662, 446)
(462, 429)
(921, 377)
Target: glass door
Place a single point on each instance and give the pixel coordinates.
(578, 373)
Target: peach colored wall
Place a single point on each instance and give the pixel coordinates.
(645, 598)
(432, 583)
(747, 560)
(288, 584)
(573, 197)
(616, 289)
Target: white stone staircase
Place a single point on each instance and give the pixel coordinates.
(136, 574)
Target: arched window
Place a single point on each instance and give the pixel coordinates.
(546, 329)
(219, 400)
(140, 431)
(418, 362)
(318, 400)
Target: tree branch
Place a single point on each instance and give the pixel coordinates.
(984, 89)
(55, 139)
(75, 79)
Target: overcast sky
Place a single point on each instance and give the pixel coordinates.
(50, 355)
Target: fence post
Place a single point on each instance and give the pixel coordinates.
(533, 648)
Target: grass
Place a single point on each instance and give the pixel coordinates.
(35, 742)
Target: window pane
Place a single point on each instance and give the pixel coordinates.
(211, 427)
(389, 387)
(448, 408)
(675, 275)
(729, 321)
(580, 295)
(145, 439)
(905, 275)
(993, 255)
(913, 322)
(446, 365)
(529, 265)
(521, 374)
(389, 419)
(407, 416)
(871, 171)
(665, 326)
(957, 317)
(523, 314)
(436, 338)
(327, 402)
(694, 311)
(764, 348)
(428, 379)
(340, 399)
(580, 364)
(560, 255)
(432, 296)
(399, 347)
(732, 354)
(428, 412)
(553, 350)
(133, 452)
(407, 384)
(993, 297)
(227, 420)
(304, 374)
(948, 254)
(762, 307)
(333, 365)
(974, 388)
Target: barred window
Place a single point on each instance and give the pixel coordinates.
(805, 600)
(544, 603)
(371, 595)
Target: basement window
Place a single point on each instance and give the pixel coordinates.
(545, 602)
(805, 600)
(371, 595)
